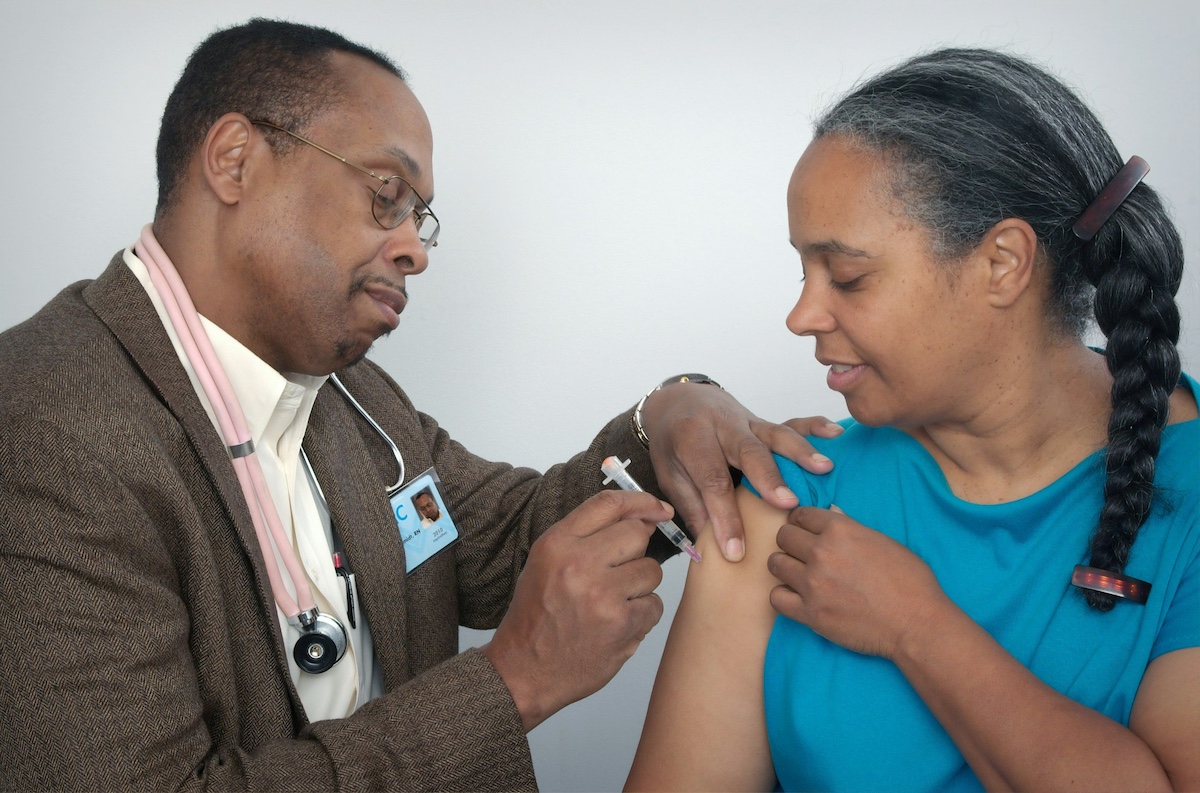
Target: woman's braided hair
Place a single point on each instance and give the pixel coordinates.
(977, 136)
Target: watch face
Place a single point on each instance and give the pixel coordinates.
(690, 377)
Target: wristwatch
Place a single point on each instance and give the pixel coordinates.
(690, 377)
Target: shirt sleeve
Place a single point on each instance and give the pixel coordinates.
(1181, 626)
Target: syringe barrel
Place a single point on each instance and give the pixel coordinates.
(673, 532)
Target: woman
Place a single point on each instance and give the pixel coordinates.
(956, 217)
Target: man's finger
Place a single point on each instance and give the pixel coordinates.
(816, 425)
(726, 519)
(717, 507)
(701, 488)
(714, 491)
(686, 498)
(636, 578)
(619, 543)
(646, 610)
(612, 506)
(789, 440)
(757, 464)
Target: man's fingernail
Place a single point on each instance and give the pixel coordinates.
(734, 550)
(820, 458)
(783, 494)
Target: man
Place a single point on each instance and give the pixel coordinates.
(150, 636)
(428, 508)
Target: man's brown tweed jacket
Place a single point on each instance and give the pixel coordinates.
(139, 645)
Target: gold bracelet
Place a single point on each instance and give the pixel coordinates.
(691, 377)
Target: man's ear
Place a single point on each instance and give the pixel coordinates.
(1010, 251)
(223, 156)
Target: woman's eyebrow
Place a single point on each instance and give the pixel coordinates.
(833, 246)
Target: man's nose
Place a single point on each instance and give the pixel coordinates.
(406, 249)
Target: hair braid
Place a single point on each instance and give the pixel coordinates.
(1136, 268)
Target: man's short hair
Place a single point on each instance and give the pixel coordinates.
(267, 69)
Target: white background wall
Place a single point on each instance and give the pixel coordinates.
(610, 177)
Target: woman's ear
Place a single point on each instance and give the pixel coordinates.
(223, 156)
(1010, 250)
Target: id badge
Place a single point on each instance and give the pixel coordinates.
(424, 522)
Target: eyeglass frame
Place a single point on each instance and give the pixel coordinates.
(419, 215)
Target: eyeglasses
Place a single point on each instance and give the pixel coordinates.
(392, 203)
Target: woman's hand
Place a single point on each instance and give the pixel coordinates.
(851, 584)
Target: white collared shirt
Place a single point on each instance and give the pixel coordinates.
(277, 408)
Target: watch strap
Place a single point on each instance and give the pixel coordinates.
(689, 377)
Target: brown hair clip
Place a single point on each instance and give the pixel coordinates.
(1111, 197)
(1133, 589)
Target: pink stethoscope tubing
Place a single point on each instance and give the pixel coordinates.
(232, 423)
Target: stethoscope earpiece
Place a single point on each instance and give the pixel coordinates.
(322, 642)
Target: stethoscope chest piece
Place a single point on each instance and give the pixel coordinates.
(322, 642)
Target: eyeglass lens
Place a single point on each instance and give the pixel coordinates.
(395, 201)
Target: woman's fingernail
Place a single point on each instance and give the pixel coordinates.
(836, 429)
(820, 458)
(783, 494)
(734, 550)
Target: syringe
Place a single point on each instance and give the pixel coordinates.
(614, 471)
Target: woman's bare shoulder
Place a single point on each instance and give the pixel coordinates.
(761, 522)
(1183, 405)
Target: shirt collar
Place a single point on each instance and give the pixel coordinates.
(276, 406)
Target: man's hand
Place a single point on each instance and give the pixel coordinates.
(583, 603)
(697, 431)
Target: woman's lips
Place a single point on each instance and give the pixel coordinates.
(843, 375)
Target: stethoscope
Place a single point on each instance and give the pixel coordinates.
(323, 638)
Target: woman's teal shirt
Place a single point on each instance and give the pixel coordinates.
(838, 720)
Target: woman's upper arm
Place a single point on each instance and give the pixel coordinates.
(705, 727)
(1166, 715)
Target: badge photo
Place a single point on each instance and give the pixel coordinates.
(422, 519)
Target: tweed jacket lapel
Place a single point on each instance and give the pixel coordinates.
(362, 519)
(119, 301)
(358, 506)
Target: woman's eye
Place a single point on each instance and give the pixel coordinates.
(846, 286)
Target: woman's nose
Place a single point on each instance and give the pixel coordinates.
(810, 316)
